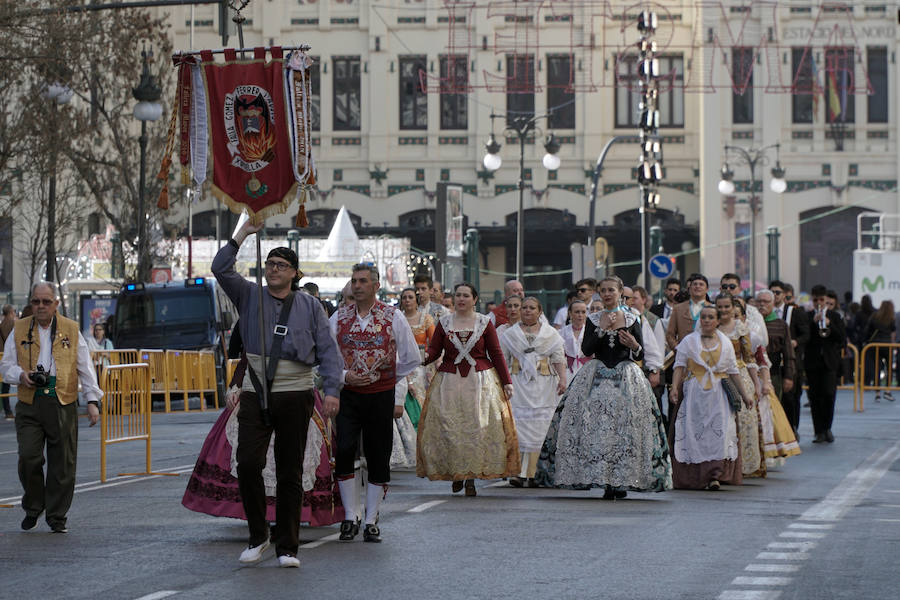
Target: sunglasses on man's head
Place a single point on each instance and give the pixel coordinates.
(39, 301)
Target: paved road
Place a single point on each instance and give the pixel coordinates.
(826, 525)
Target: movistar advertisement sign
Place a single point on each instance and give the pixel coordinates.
(877, 273)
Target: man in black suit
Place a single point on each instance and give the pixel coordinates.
(798, 322)
(663, 310)
(822, 361)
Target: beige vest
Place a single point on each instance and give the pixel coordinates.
(65, 355)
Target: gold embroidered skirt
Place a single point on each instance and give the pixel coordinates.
(466, 429)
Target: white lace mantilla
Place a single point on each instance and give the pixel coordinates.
(481, 323)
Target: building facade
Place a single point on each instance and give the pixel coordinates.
(405, 91)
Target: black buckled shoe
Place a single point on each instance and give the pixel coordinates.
(29, 522)
(372, 534)
(349, 529)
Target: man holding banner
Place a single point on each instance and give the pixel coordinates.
(297, 337)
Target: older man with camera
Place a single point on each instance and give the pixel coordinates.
(47, 358)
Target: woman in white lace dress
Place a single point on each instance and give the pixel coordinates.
(705, 444)
(607, 430)
(534, 352)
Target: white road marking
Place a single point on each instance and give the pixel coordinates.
(889, 520)
(10, 452)
(810, 535)
(772, 568)
(811, 526)
(792, 545)
(889, 505)
(749, 595)
(761, 580)
(322, 540)
(425, 506)
(90, 486)
(854, 487)
(158, 595)
(782, 556)
(500, 483)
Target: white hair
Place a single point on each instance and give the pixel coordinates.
(54, 291)
(762, 293)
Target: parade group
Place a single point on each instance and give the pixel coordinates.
(613, 391)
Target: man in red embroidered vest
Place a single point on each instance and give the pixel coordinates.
(47, 412)
(378, 348)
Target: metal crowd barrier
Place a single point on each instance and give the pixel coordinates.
(125, 415)
(191, 371)
(861, 366)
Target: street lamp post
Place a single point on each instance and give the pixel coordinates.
(521, 126)
(58, 95)
(753, 158)
(148, 108)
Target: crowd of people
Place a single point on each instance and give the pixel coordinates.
(613, 391)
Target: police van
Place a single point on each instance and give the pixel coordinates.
(193, 314)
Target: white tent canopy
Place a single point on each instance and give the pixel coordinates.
(343, 243)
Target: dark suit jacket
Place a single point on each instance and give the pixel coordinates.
(680, 324)
(659, 309)
(824, 353)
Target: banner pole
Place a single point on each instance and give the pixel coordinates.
(264, 396)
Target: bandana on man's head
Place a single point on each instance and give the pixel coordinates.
(287, 254)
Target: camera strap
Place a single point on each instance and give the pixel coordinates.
(30, 342)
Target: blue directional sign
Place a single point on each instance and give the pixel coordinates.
(661, 266)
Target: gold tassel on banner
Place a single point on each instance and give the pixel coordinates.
(185, 175)
(301, 220)
(163, 202)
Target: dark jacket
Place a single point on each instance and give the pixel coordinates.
(824, 353)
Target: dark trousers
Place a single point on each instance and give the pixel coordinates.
(7, 409)
(373, 416)
(821, 392)
(790, 402)
(47, 422)
(290, 413)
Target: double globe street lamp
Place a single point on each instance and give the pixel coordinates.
(521, 126)
(57, 94)
(753, 158)
(148, 108)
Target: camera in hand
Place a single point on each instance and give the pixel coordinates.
(40, 377)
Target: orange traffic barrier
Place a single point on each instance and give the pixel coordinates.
(125, 413)
(879, 349)
(191, 372)
(230, 368)
(158, 374)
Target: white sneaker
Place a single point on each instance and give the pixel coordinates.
(254, 554)
(288, 561)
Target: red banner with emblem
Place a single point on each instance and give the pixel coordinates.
(249, 132)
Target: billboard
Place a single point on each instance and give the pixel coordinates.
(877, 273)
(454, 221)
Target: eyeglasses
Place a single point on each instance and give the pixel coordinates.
(777, 292)
(584, 289)
(788, 298)
(274, 265)
(729, 286)
(44, 301)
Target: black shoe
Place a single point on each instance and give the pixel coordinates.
(349, 529)
(619, 494)
(829, 437)
(457, 486)
(530, 482)
(58, 528)
(372, 534)
(516, 482)
(470, 487)
(820, 437)
(29, 522)
(608, 493)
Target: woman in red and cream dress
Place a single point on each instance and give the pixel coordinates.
(466, 429)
